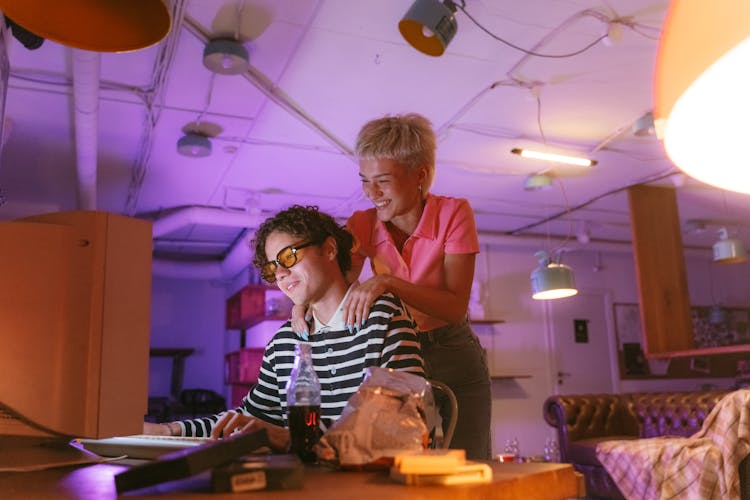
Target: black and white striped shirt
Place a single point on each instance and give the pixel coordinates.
(388, 339)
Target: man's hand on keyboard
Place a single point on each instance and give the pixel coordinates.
(232, 422)
(153, 429)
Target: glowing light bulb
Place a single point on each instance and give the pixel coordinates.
(226, 61)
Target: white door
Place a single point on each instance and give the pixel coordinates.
(580, 330)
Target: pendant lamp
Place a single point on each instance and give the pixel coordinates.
(96, 25)
(194, 145)
(717, 315)
(429, 26)
(701, 90)
(729, 250)
(226, 57)
(551, 280)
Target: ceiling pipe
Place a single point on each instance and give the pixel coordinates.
(206, 216)
(86, 123)
(240, 255)
(268, 88)
(237, 259)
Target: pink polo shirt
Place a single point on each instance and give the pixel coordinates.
(446, 227)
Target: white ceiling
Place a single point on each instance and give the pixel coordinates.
(319, 70)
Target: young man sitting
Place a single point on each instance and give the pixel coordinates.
(307, 254)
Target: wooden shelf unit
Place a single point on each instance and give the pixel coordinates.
(248, 307)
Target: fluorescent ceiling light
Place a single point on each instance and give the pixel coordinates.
(538, 155)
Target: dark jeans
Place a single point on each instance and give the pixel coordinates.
(454, 356)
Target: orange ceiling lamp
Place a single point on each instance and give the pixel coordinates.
(702, 90)
(96, 25)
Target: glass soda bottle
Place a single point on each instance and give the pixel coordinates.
(303, 402)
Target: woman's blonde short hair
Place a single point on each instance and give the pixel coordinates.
(407, 139)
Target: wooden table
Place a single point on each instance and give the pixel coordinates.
(538, 481)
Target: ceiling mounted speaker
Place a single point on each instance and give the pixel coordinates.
(429, 26)
(96, 25)
(226, 57)
(194, 145)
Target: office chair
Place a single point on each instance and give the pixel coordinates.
(444, 398)
(200, 402)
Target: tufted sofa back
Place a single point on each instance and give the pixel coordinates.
(637, 414)
(671, 413)
(589, 416)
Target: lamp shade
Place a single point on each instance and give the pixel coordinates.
(537, 182)
(194, 145)
(701, 98)
(552, 281)
(729, 250)
(96, 25)
(717, 315)
(429, 26)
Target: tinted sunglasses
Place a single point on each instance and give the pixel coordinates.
(286, 258)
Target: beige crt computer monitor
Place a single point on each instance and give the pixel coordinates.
(75, 290)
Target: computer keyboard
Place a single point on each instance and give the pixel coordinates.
(141, 446)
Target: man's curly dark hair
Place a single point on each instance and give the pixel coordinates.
(308, 224)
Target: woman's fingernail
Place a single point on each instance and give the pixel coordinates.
(363, 322)
(307, 317)
(351, 330)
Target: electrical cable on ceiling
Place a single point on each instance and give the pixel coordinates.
(514, 81)
(588, 202)
(462, 5)
(538, 100)
(209, 96)
(150, 96)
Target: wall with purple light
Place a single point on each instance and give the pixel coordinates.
(188, 314)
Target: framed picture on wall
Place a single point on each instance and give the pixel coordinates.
(709, 329)
(628, 334)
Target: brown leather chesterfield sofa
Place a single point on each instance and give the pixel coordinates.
(584, 420)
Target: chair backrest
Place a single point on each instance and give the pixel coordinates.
(202, 401)
(449, 404)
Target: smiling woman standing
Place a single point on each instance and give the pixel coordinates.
(421, 248)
